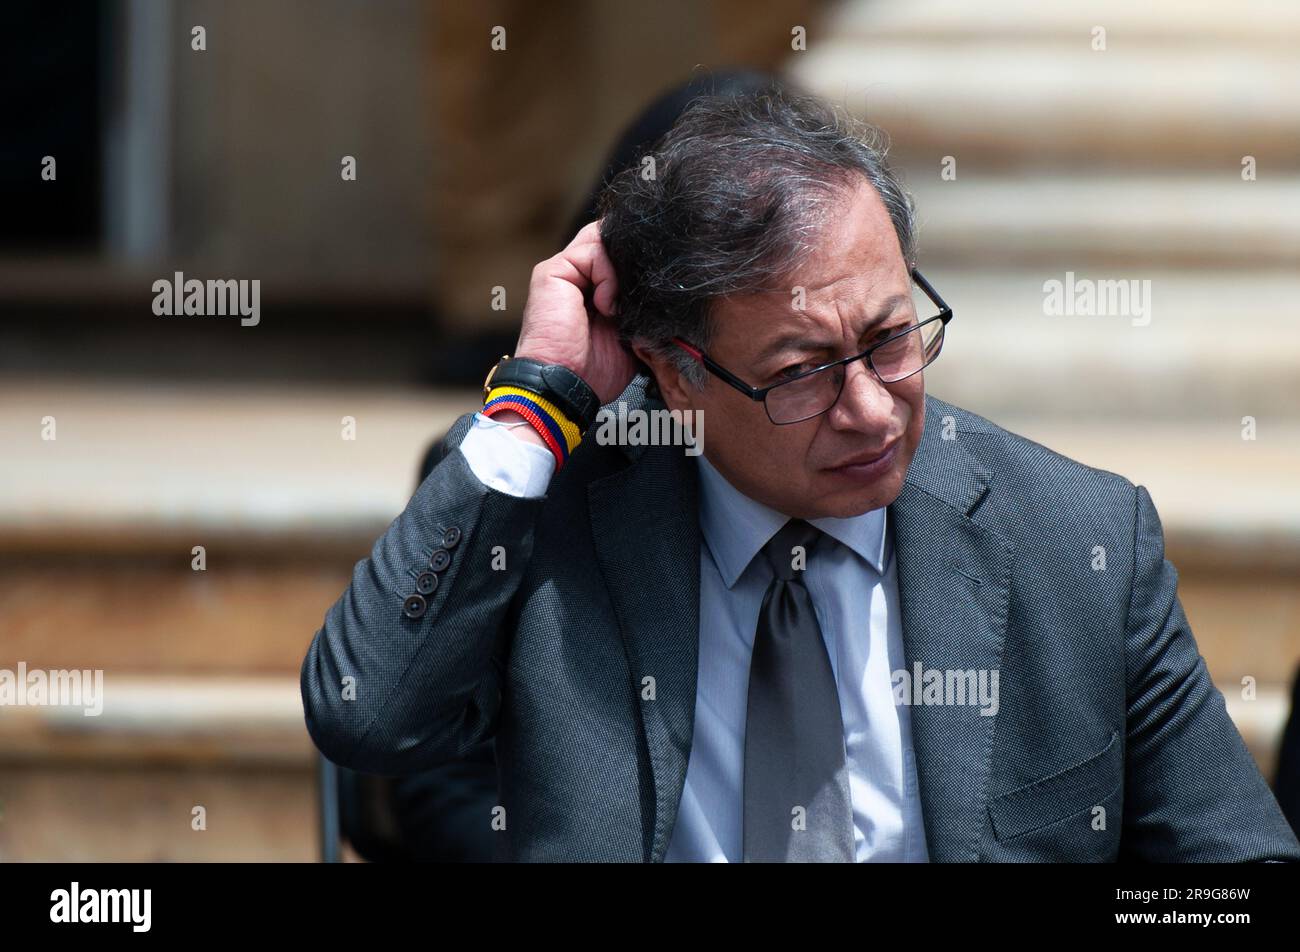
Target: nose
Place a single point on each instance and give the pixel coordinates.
(865, 404)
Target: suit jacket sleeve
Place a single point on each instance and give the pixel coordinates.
(387, 694)
(1192, 789)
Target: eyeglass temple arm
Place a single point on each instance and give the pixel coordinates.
(718, 370)
(932, 294)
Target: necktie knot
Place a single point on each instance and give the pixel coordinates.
(781, 552)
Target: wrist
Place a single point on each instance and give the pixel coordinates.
(520, 428)
(541, 358)
(557, 384)
(555, 401)
(551, 426)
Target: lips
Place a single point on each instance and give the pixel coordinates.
(865, 459)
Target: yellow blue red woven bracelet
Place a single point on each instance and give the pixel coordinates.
(558, 431)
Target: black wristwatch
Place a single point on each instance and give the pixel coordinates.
(555, 382)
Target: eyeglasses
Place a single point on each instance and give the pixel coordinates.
(815, 391)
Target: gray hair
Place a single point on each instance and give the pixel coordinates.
(739, 188)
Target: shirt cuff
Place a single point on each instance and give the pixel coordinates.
(504, 463)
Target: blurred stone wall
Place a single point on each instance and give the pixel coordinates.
(523, 132)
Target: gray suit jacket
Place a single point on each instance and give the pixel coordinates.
(1110, 741)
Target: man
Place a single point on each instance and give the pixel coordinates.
(863, 625)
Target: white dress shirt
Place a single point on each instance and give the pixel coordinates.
(854, 589)
(504, 462)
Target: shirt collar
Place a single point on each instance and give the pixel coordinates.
(736, 527)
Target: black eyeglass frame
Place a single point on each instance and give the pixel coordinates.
(760, 393)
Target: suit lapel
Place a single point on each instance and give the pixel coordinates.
(953, 584)
(645, 522)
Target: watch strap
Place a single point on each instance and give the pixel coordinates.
(570, 394)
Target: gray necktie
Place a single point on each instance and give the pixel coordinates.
(794, 736)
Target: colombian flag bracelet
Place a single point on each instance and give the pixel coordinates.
(558, 431)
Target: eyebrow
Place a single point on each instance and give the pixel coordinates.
(797, 340)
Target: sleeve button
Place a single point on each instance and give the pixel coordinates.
(414, 606)
(450, 538)
(426, 583)
(440, 559)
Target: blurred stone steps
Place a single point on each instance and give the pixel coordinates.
(1208, 345)
(1253, 23)
(200, 667)
(124, 786)
(167, 719)
(1170, 221)
(189, 463)
(1011, 82)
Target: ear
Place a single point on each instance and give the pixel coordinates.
(677, 391)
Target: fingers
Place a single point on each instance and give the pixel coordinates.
(592, 268)
(605, 298)
(587, 233)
